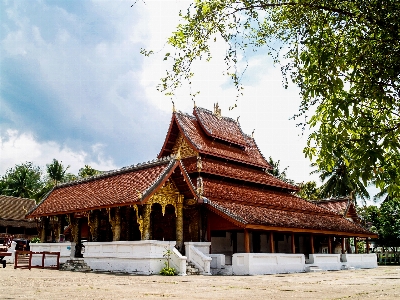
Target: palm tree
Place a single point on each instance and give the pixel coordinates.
(56, 171)
(340, 182)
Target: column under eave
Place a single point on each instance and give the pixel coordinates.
(272, 242)
(179, 223)
(246, 241)
(146, 221)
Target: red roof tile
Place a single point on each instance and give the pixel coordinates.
(122, 187)
(207, 145)
(229, 192)
(235, 171)
(248, 214)
(219, 127)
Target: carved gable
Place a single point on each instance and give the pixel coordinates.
(168, 194)
(182, 148)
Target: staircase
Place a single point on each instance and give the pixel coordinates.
(191, 269)
(77, 265)
(313, 269)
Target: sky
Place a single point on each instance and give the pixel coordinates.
(75, 87)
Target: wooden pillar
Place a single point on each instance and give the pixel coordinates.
(246, 241)
(146, 222)
(43, 229)
(94, 224)
(115, 221)
(179, 223)
(272, 242)
(329, 244)
(343, 246)
(293, 244)
(355, 245)
(312, 243)
(367, 241)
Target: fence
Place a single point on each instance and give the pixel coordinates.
(388, 258)
(23, 259)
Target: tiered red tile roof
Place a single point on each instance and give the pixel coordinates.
(342, 206)
(219, 127)
(236, 171)
(127, 186)
(246, 214)
(204, 144)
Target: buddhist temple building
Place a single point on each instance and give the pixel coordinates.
(210, 193)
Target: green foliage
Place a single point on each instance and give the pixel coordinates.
(277, 172)
(343, 55)
(339, 182)
(23, 180)
(167, 270)
(87, 171)
(309, 190)
(35, 240)
(56, 171)
(384, 220)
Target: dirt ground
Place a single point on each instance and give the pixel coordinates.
(380, 283)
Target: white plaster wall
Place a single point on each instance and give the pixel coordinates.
(327, 262)
(267, 263)
(141, 257)
(360, 261)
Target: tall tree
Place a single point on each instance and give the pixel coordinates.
(23, 180)
(338, 182)
(56, 171)
(343, 55)
(88, 171)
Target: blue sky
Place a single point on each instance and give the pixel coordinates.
(74, 87)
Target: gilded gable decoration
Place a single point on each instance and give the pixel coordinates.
(182, 148)
(168, 194)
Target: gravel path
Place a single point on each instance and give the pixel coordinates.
(380, 283)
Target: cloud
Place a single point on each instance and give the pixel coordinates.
(17, 148)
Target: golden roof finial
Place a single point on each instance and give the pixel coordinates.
(173, 106)
(252, 134)
(237, 119)
(194, 104)
(217, 110)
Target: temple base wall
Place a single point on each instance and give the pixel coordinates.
(360, 261)
(267, 263)
(326, 262)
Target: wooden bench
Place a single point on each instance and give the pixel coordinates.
(23, 259)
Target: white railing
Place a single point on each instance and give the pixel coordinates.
(198, 258)
(178, 261)
(63, 248)
(327, 262)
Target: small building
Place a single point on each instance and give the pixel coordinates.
(210, 193)
(12, 218)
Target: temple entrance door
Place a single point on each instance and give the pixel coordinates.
(163, 228)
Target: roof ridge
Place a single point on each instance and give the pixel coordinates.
(138, 166)
(222, 117)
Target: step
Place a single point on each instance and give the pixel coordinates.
(313, 269)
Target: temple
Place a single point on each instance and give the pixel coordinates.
(208, 197)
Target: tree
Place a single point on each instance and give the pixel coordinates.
(340, 183)
(277, 172)
(343, 55)
(309, 190)
(23, 180)
(87, 171)
(389, 231)
(56, 171)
